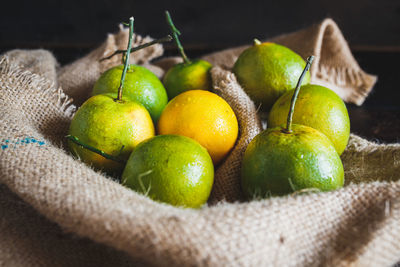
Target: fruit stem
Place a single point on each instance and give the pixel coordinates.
(126, 63)
(175, 33)
(167, 38)
(295, 94)
(256, 41)
(95, 150)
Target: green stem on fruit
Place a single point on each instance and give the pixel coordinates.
(95, 150)
(175, 33)
(167, 38)
(127, 54)
(288, 128)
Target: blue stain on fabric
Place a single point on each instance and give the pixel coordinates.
(26, 140)
(6, 143)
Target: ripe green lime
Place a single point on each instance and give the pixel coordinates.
(115, 127)
(267, 70)
(279, 163)
(319, 108)
(183, 77)
(171, 168)
(141, 85)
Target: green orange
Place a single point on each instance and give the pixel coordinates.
(115, 127)
(268, 70)
(172, 169)
(140, 85)
(317, 107)
(183, 77)
(278, 163)
(290, 158)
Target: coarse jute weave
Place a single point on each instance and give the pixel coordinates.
(52, 206)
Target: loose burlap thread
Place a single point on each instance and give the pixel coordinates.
(357, 225)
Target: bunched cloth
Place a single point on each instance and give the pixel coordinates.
(57, 211)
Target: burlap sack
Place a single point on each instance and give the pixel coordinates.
(29, 239)
(356, 225)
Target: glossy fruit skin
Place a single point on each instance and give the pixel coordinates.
(306, 156)
(317, 107)
(204, 117)
(268, 70)
(172, 169)
(108, 125)
(141, 85)
(183, 77)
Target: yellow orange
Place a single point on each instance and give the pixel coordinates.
(204, 117)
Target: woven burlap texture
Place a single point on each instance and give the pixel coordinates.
(29, 239)
(357, 225)
(227, 176)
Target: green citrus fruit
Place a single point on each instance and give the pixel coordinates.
(319, 108)
(140, 85)
(267, 70)
(115, 127)
(278, 163)
(171, 168)
(188, 76)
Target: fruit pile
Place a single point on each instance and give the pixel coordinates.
(164, 139)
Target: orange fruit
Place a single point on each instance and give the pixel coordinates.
(115, 127)
(171, 168)
(282, 160)
(188, 76)
(279, 163)
(204, 117)
(317, 107)
(267, 70)
(141, 85)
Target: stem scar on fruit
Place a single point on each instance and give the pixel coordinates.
(288, 128)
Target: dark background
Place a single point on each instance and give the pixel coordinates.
(365, 23)
(72, 28)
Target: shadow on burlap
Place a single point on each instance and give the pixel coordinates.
(357, 225)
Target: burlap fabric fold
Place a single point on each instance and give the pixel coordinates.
(357, 225)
